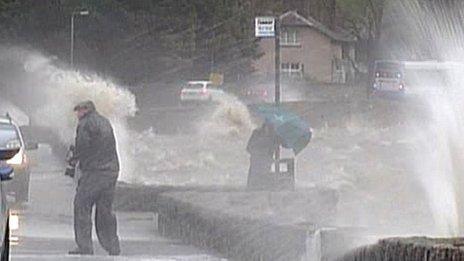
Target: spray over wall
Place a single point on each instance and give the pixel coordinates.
(212, 153)
(437, 29)
(49, 94)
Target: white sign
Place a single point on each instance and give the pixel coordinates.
(265, 26)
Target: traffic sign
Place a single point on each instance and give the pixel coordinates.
(265, 26)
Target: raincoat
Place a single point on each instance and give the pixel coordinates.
(261, 146)
(95, 144)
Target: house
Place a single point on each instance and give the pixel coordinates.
(309, 49)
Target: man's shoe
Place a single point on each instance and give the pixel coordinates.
(78, 251)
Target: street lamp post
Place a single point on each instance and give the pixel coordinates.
(80, 13)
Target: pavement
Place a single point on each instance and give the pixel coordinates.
(46, 224)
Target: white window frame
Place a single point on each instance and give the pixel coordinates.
(289, 37)
(292, 69)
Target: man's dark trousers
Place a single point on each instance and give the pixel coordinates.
(96, 188)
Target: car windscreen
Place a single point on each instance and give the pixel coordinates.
(9, 137)
(388, 66)
(195, 86)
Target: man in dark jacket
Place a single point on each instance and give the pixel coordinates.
(95, 150)
(261, 146)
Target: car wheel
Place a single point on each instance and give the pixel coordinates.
(6, 244)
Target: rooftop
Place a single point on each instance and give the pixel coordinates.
(292, 18)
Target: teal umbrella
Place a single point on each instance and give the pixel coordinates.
(293, 131)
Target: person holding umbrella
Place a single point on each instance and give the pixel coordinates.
(293, 132)
(281, 128)
(261, 146)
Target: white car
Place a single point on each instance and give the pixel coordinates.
(200, 91)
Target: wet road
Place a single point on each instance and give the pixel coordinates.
(46, 229)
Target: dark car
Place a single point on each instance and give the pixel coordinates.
(388, 77)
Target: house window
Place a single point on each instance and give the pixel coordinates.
(292, 69)
(289, 37)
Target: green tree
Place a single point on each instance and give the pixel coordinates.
(364, 18)
(142, 40)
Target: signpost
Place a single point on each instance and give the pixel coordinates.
(265, 26)
(268, 27)
(216, 78)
